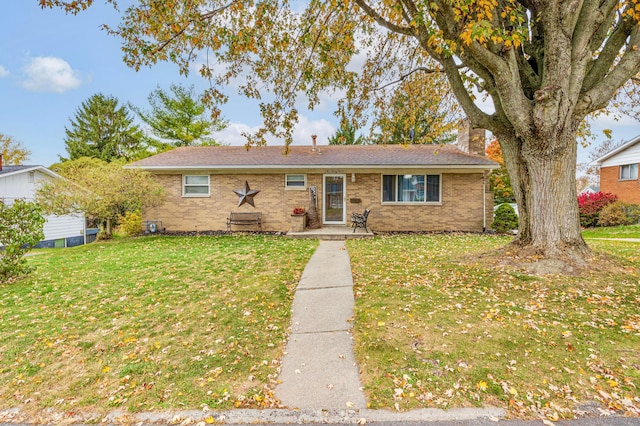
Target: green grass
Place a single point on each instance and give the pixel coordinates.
(433, 330)
(150, 323)
(631, 231)
(176, 323)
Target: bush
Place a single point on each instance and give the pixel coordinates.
(21, 228)
(130, 223)
(505, 218)
(619, 213)
(591, 204)
(103, 235)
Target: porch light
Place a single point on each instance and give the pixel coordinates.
(353, 178)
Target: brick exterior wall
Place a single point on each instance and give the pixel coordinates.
(460, 208)
(626, 190)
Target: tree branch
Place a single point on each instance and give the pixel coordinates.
(201, 17)
(627, 67)
(610, 52)
(382, 21)
(404, 76)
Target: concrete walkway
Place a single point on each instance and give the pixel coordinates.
(319, 370)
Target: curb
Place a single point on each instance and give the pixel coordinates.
(256, 416)
(282, 416)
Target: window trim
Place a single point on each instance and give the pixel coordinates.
(411, 203)
(295, 188)
(629, 168)
(201, 195)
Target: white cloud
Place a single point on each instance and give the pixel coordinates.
(302, 132)
(3, 71)
(305, 128)
(49, 74)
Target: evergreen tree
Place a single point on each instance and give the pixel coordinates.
(179, 119)
(102, 129)
(346, 135)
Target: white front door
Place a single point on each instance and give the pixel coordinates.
(334, 197)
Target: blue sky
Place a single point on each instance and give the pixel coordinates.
(51, 62)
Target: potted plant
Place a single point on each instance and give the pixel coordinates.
(298, 219)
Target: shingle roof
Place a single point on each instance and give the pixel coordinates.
(12, 169)
(624, 146)
(8, 170)
(239, 157)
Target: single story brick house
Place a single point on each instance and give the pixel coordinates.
(406, 187)
(619, 171)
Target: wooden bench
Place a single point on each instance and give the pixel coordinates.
(244, 218)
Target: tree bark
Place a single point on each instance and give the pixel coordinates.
(543, 181)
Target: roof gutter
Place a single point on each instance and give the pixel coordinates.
(317, 167)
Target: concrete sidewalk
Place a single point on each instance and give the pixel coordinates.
(319, 370)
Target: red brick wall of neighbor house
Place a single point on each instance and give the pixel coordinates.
(460, 210)
(626, 190)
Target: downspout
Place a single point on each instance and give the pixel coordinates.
(484, 201)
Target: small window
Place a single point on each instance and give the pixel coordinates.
(629, 172)
(32, 177)
(295, 181)
(195, 186)
(410, 188)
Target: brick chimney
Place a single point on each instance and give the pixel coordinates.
(471, 140)
(313, 139)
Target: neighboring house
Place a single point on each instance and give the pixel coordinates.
(407, 187)
(619, 171)
(21, 182)
(591, 189)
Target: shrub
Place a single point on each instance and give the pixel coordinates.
(505, 218)
(619, 213)
(21, 228)
(591, 204)
(103, 235)
(130, 223)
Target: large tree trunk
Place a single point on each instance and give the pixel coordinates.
(543, 180)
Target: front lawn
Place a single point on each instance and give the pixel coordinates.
(433, 330)
(631, 231)
(150, 323)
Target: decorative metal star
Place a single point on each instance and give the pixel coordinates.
(246, 194)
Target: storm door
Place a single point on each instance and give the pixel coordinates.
(333, 206)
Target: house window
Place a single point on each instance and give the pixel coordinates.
(411, 188)
(295, 181)
(32, 177)
(195, 186)
(629, 172)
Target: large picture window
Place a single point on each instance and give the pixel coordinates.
(195, 185)
(411, 188)
(629, 172)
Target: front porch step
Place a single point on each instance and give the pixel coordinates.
(336, 233)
